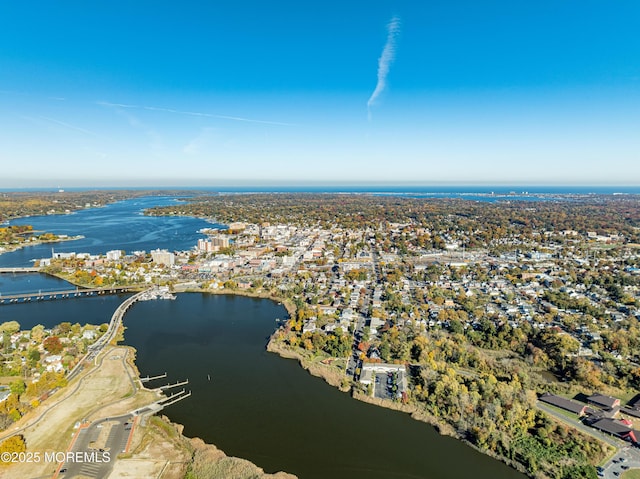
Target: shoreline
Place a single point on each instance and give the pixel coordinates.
(13, 248)
(330, 374)
(198, 449)
(441, 427)
(327, 373)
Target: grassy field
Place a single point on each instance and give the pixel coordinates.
(632, 474)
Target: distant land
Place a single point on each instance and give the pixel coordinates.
(498, 189)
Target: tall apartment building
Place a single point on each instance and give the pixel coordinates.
(163, 257)
(214, 243)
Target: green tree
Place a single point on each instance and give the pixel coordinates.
(37, 333)
(10, 327)
(18, 387)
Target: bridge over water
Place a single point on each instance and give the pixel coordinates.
(67, 294)
(19, 270)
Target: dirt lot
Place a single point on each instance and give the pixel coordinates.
(105, 390)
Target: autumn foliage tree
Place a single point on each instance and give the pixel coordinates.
(53, 345)
(13, 444)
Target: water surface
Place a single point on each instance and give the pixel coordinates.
(118, 226)
(269, 410)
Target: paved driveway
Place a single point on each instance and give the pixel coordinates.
(97, 464)
(627, 458)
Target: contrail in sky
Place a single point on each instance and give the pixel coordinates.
(193, 113)
(385, 60)
(67, 125)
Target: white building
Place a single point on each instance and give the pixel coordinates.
(114, 255)
(163, 257)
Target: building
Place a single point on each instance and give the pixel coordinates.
(163, 257)
(369, 371)
(603, 402)
(114, 255)
(206, 246)
(5, 392)
(563, 403)
(621, 429)
(237, 227)
(214, 243)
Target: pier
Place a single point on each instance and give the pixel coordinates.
(159, 405)
(151, 378)
(67, 294)
(176, 384)
(174, 398)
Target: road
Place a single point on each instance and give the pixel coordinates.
(94, 350)
(50, 407)
(612, 441)
(96, 461)
(626, 458)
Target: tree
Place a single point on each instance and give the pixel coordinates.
(18, 387)
(37, 333)
(10, 327)
(64, 328)
(456, 326)
(13, 444)
(53, 345)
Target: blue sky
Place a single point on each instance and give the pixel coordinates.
(253, 92)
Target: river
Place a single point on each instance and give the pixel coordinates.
(117, 226)
(256, 405)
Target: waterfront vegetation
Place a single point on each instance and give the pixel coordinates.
(480, 301)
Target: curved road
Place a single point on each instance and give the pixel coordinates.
(94, 350)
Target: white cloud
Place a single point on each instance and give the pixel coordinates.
(385, 60)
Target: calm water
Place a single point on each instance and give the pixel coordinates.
(117, 226)
(269, 410)
(20, 283)
(87, 310)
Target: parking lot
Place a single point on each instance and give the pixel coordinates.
(627, 458)
(383, 386)
(100, 444)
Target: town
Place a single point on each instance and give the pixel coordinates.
(461, 313)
